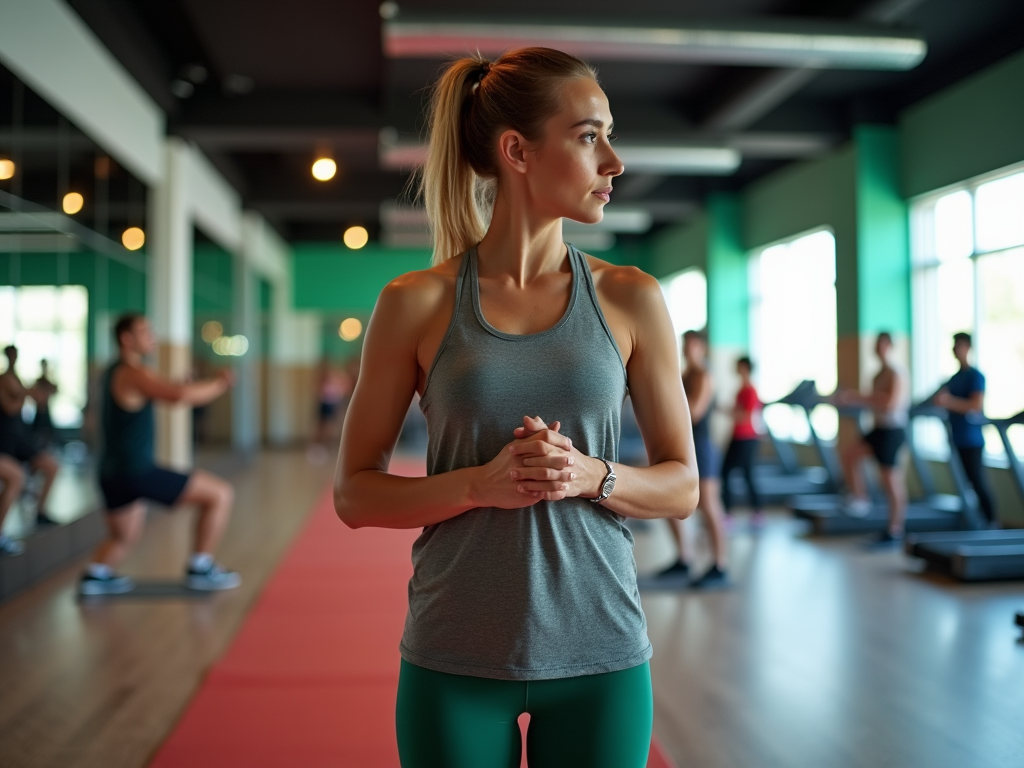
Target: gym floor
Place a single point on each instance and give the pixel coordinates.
(822, 654)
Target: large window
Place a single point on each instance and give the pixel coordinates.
(49, 323)
(793, 328)
(968, 251)
(686, 294)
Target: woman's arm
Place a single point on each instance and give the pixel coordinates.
(666, 488)
(364, 493)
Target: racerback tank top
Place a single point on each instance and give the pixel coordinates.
(546, 591)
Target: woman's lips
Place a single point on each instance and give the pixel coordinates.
(605, 194)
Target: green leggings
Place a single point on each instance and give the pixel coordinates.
(456, 721)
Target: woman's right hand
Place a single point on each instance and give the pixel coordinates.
(495, 485)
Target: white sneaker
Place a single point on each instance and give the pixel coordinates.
(105, 585)
(213, 579)
(9, 547)
(855, 507)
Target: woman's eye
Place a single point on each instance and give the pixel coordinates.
(590, 138)
(613, 136)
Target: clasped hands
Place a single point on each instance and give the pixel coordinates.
(540, 464)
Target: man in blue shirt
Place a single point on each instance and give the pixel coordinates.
(964, 397)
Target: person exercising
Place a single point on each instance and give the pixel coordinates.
(129, 473)
(17, 441)
(745, 441)
(700, 392)
(964, 396)
(42, 391)
(887, 401)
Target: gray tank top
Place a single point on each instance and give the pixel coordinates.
(546, 591)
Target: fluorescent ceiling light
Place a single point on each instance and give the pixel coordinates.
(667, 159)
(759, 44)
(678, 160)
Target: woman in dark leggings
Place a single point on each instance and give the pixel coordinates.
(523, 596)
(745, 441)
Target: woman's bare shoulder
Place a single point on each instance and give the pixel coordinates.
(626, 286)
(421, 291)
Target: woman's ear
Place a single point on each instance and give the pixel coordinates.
(512, 151)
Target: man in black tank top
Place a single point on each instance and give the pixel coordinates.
(129, 474)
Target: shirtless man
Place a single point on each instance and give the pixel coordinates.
(129, 473)
(19, 445)
(887, 403)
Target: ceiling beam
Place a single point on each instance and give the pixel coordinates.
(744, 108)
(759, 42)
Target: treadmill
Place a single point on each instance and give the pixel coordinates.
(784, 478)
(978, 555)
(932, 511)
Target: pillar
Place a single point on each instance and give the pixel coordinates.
(728, 295)
(245, 402)
(883, 247)
(170, 298)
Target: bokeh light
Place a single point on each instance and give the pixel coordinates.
(72, 202)
(231, 346)
(324, 169)
(350, 329)
(6, 169)
(212, 330)
(133, 238)
(356, 237)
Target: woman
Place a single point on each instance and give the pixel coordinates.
(745, 442)
(700, 389)
(523, 596)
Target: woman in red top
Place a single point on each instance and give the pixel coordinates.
(745, 440)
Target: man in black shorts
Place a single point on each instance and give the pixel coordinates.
(887, 401)
(19, 443)
(129, 474)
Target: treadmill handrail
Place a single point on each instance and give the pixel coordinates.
(1016, 470)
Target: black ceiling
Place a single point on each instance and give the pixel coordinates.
(284, 80)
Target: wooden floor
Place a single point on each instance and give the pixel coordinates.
(828, 655)
(102, 684)
(822, 655)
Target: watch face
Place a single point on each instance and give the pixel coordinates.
(609, 484)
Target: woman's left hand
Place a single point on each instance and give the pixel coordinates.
(543, 453)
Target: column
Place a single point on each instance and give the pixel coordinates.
(245, 417)
(170, 298)
(728, 296)
(883, 248)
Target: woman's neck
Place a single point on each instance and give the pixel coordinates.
(520, 244)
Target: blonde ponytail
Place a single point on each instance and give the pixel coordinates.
(451, 189)
(472, 101)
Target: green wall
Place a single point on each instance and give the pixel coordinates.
(328, 277)
(973, 127)
(727, 274)
(883, 237)
(685, 246)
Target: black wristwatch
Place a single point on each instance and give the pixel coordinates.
(608, 485)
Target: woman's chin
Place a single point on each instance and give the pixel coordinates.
(595, 216)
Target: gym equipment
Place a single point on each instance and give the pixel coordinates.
(933, 511)
(780, 480)
(978, 555)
